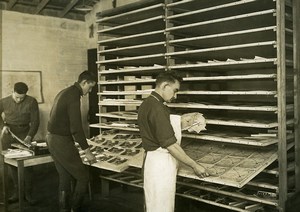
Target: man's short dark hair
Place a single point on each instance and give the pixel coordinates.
(88, 76)
(168, 76)
(20, 88)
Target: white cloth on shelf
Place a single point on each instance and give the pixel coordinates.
(17, 153)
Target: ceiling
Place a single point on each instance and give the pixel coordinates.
(71, 9)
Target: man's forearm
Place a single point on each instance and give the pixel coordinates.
(33, 129)
(1, 122)
(178, 153)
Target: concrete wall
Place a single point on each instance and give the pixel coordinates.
(56, 47)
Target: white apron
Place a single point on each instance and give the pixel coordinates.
(160, 172)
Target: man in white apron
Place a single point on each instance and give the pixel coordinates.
(161, 136)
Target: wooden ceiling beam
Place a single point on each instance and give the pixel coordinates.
(68, 8)
(11, 4)
(41, 6)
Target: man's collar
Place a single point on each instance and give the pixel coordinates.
(76, 84)
(157, 96)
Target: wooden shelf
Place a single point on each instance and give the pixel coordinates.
(133, 15)
(120, 93)
(145, 60)
(230, 194)
(234, 37)
(114, 127)
(209, 121)
(265, 49)
(236, 59)
(146, 37)
(117, 116)
(218, 137)
(261, 184)
(193, 79)
(136, 81)
(272, 93)
(135, 70)
(219, 10)
(243, 123)
(231, 23)
(246, 140)
(224, 107)
(124, 102)
(186, 189)
(231, 77)
(153, 24)
(151, 48)
(127, 8)
(229, 65)
(274, 171)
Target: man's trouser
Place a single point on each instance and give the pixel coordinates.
(69, 166)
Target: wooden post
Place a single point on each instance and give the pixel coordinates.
(296, 41)
(169, 49)
(100, 68)
(281, 103)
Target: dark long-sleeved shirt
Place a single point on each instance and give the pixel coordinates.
(154, 123)
(23, 113)
(65, 115)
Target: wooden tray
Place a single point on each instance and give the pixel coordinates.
(227, 164)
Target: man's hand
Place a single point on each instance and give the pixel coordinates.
(5, 130)
(90, 156)
(200, 171)
(27, 140)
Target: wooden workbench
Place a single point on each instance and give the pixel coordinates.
(20, 164)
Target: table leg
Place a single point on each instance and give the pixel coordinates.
(4, 181)
(104, 187)
(90, 191)
(21, 183)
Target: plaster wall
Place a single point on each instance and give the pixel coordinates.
(57, 47)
